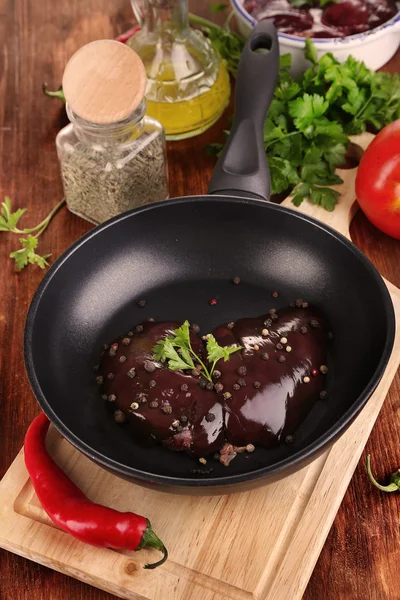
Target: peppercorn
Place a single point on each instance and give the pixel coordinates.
(96, 368)
(299, 302)
(167, 409)
(323, 395)
(281, 358)
(142, 303)
(210, 386)
(153, 404)
(279, 346)
(236, 387)
(236, 280)
(231, 325)
(126, 341)
(314, 323)
(323, 369)
(149, 366)
(112, 398)
(303, 329)
(110, 376)
(265, 356)
(216, 374)
(202, 384)
(139, 328)
(242, 370)
(132, 373)
(241, 382)
(152, 383)
(210, 417)
(99, 379)
(184, 387)
(304, 305)
(272, 311)
(289, 439)
(104, 396)
(122, 359)
(183, 419)
(219, 387)
(119, 416)
(268, 322)
(257, 385)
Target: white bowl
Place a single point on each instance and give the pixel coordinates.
(374, 47)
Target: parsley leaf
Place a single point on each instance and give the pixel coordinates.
(218, 7)
(27, 255)
(215, 352)
(185, 358)
(9, 220)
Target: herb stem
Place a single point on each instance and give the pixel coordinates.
(206, 373)
(196, 20)
(39, 229)
(272, 142)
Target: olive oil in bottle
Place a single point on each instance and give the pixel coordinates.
(188, 84)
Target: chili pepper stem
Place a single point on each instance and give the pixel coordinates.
(151, 540)
(392, 487)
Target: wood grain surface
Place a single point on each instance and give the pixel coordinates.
(362, 553)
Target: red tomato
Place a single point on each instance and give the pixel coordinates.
(378, 180)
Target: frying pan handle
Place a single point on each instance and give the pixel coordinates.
(242, 168)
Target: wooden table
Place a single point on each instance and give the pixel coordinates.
(360, 560)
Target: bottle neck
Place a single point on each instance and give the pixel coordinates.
(163, 17)
(110, 134)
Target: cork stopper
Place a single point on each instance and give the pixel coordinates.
(104, 82)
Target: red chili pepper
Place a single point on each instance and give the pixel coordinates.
(69, 508)
(124, 37)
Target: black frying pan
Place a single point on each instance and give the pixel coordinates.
(177, 255)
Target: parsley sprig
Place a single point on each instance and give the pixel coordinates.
(27, 254)
(306, 133)
(177, 351)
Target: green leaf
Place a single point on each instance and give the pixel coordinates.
(215, 352)
(325, 197)
(283, 175)
(175, 361)
(181, 336)
(27, 255)
(218, 7)
(310, 51)
(301, 192)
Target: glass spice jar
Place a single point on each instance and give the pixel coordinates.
(112, 155)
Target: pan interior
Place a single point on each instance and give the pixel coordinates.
(177, 256)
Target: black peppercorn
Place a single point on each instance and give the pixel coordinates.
(265, 356)
(281, 358)
(139, 328)
(219, 387)
(242, 370)
(236, 387)
(303, 329)
(142, 303)
(210, 386)
(241, 382)
(216, 374)
(184, 387)
(257, 385)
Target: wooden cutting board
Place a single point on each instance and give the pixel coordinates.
(259, 545)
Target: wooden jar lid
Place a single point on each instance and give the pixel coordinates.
(104, 81)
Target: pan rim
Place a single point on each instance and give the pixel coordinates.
(285, 465)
